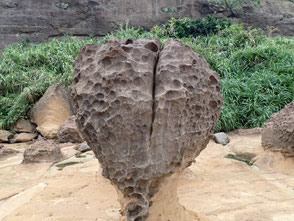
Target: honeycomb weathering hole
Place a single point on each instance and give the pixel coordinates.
(106, 61)
(152, 46)
(127, 49)
(212, 80)
(129, 41)
(135, 114)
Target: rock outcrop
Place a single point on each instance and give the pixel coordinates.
(146, 114)
(52, 110)
(42, 151)
(6, 152)
(68, 131)
(42, 20)
(23, 126)
(23, 137)
(278, 131)
(5, 136)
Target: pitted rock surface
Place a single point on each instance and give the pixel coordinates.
(278, 131)
(187, 103)
(23, 126)
(68, 131)
(42, 151)
(145, 113)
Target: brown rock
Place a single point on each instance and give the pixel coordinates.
(52, 110)
(6, 152)
(42, 151)
(68, 131)
(5, 136)
(278, 131)
(99, 17)
(23, 126)
(145, 120)
(23, 137)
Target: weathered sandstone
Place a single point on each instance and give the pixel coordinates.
(68, 131)
(5, 136)
(6, 152)
(42, 151)
(23, 126)
(278, 131)
(146, 114)
(23, 137)
(52, 110)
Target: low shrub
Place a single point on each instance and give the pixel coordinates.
(191, 27)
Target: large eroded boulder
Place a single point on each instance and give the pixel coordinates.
(278, 131)
(52, 110)
(146, 114)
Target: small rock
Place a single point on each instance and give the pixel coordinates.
(221, 138)
(42, 151)
(6, 152)
(23, 137)
(68, 131)
(84, 147)
(23, 126)
(5, 136)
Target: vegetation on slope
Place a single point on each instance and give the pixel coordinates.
(27, 70)
(257, 71)
(235, 6)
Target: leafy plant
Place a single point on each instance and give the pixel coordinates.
(62, 5)
(169, 10)
(186, 27)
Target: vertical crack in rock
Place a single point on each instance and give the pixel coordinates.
(153, 96)
(146, 114)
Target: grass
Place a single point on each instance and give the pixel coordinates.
(257, 74)
(257, 71)
(27, 70)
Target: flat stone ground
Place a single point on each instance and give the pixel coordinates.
(221, 189)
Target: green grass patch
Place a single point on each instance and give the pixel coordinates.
(27, 70)
(256, 71)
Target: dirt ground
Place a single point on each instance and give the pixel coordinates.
(220, 188)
